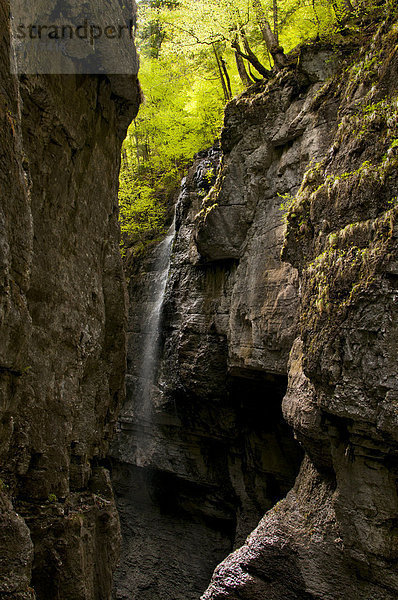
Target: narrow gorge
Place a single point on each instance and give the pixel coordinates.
(220, 420)
(248, 332)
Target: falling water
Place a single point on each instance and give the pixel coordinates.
(148, 361)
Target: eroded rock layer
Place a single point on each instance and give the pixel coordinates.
(193, 476)
(62, 328)
(215, 439)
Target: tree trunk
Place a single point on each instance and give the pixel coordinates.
(269, 38)
(226, 76)
(249, 56)
(255, 79)
(276, 24)
(243, 74)
(227, 97)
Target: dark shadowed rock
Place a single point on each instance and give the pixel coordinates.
(320, 142)
(62, 328)
(215, 453)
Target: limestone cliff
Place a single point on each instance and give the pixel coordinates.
(62, 328)
(194, 477)
(244, 327)
(335, 535)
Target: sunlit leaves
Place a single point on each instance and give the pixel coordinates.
(178, 41)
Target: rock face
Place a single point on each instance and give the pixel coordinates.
(245, 328)
(216, 453)
(62, 328)
(193, 478)
(335, 535)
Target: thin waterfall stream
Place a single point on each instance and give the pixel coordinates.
(148, 360)
(202, 452)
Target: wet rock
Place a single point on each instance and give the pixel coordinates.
(216, 452)
(246, 332)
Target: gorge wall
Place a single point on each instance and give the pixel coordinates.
(193, 478)
(335, 535)
(62, 327)
(248, 333)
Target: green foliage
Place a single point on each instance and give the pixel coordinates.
(285, 206)
(188, 72)
(142, 215)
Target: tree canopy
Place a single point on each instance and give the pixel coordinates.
(195, 56)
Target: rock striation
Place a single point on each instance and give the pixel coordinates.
(217, 453)
(62, 328)
(194, 480)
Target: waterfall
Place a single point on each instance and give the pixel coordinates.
(147, 361)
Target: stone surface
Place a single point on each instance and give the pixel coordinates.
(335, 534)
(216, 438)
(194, 479)
(97, 38)
(62, 328)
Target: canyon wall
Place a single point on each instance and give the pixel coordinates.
(194, 475)
(281, 295)
(62, 327)
(335, 534)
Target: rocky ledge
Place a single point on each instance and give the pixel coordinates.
(335, 534)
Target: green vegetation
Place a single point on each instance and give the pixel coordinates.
(341, 226)
(195, 56)
(336, 277)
